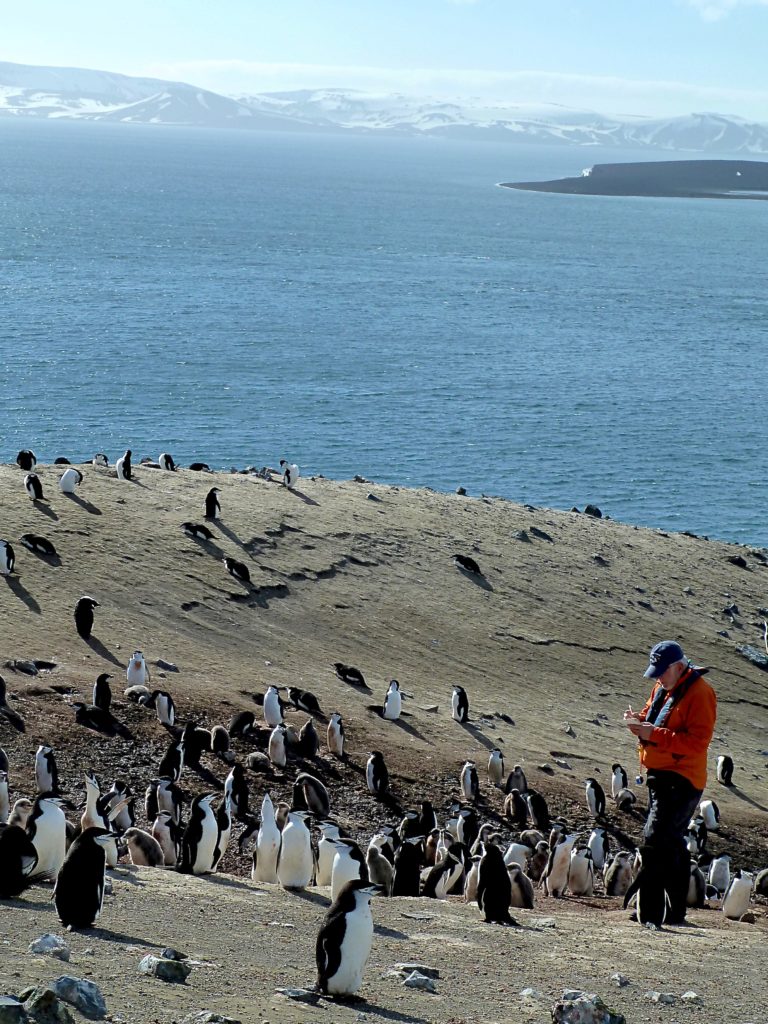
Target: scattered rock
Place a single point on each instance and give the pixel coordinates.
(521, 535)
(420, 982)
(83, 995)
(44, 1007)
(544, 922)
(428, 972)
(208, 1017)
(692, 998)
(583, 1008)
(666, 998)
(165, 970)
(594, 511)
(687, 590)
(620, 979)
(167, 666)
(12, 1011)
(531, 993)
(752, 654)
(50, 945)
(299, 995)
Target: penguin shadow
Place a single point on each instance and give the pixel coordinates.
(45, 509)
(376, 709)
(389, 933)
(86, 506)
(478, 735)
(205, 774)
(121, 938)
(208, 546)
(747, 799)
(387, 1014)
(53, 560)
(311, 897)
(230, 534)
(126, 873)
(304, 497)
(103, 652)
(228, 882)
(479, 580)
(18, 589)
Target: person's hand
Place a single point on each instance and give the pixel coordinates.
(632, 716)
(642, 730)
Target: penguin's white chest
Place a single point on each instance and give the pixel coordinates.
(206, 847)
(355, 948)
(137, 672)
(325, 855)
(50, 841)
(393, 705)
(267, 850)
(345, 869)
(272, 714)
(294, 868)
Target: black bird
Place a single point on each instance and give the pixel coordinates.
(7, 713)
(200, 467)
(172, 762)
(237, 570)
(40, 545)
(350, 675)
(102, 694)
(8, 556)
(195, 741)
(465, 562)
(26, 460)
(84, 616)
(212, 504)
(61, 461)
(407, 867)
(242, 724)
(197, 530)
(18, 858)
(304, 700)
(79, 891)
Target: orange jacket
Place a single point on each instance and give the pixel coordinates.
(681, 744)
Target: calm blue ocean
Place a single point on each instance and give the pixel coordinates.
(379, 306)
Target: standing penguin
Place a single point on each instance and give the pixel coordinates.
(393, 702)
(441, 879)
(599, 846)
(309, 794)
(198, 845)
(294, 864)
(538, 809)
(618, 874)
(344, 941)
(380, 871)
(595, 798)
(172, 763)
(165, 462)
(710, 814)
(697, 887)
(70, 480)
(224, 823)
(376, 774)
(123, 466)
(236, 788)
(47, 829)
(720, 873)
(18, 859)
(405, 876)
(290, 473)
(555, 876)
(100, 460)
(725, 769)
(618, 779)
(652, 903)
(459, 704)
(581, 872)
(102, 693)
(336, 735)
(276, 747)
(79, 891)
(84, 616)
(166, 832)
(26, 459)
(265, 855)
(273, 707)
(5, 803)
(33, 487)
(7, 558)
(738, 895)
(517, 780)
(212, 504)
(521, 888)
(516, 808)
(326, 851)
(137, 672)
(348, 865)
(494, 889)
(144, 850)
(46, 771)
(496, 767)
(468, 781)
(309, 741)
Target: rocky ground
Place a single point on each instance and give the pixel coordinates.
(554, 637)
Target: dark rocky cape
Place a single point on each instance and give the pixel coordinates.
(707, 179)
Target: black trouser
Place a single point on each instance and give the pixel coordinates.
(672, 802)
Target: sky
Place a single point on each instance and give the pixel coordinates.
(652, 57)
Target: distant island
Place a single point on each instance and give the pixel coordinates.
(690, 179)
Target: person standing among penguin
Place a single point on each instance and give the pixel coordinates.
(674, 730)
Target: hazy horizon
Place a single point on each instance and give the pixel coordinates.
(670, 58)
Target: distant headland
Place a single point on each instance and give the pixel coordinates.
(691, 179)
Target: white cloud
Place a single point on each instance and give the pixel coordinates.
(606, 94)
(714, 10)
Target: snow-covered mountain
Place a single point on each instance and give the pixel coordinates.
(81, 94)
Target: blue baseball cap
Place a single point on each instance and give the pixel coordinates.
(662, 656)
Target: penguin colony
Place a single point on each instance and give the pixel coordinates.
(299, 844)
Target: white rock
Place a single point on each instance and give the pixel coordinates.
(50, 945)
(693, 998)
(420, 981)
(619, 979)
